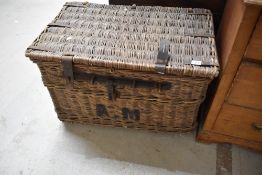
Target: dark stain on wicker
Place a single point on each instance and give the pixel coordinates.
(118, 74)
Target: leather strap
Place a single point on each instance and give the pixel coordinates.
(76, 4)
(67, 63)
(112, 94)
(38, 48)
(53, 24)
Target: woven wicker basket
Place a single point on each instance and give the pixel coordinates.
(127, 66)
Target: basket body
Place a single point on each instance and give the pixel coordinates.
(173, 107)
(106, 89)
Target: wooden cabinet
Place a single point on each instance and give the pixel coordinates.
(246, 89)
(239, 122)
(235, 115)
(254, 47)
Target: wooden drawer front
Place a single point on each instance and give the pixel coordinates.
(254, 48)
(239, 122)
(247, 86)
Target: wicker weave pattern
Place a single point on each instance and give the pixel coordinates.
(123, 42)
(172, 110)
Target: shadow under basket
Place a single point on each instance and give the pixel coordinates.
(100, 74)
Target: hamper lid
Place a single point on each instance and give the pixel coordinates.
(167, 40)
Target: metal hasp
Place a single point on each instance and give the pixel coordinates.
(162, 56)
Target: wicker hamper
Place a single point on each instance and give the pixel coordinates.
(127, 66)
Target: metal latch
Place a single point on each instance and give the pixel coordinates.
(67, 63)
(162, 56)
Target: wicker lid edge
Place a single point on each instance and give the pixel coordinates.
(41, 54)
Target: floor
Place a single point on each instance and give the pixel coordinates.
(34, 141)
